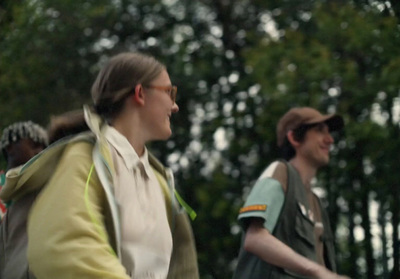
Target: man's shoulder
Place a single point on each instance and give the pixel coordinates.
(276, 170)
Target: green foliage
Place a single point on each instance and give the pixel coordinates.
(234, 81)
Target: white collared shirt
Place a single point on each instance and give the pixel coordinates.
(146, 240)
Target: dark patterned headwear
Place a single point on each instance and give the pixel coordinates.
(22, 130)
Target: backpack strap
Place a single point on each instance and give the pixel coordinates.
(167, 196)
(2, 177)
(165, 178)
(289, 204)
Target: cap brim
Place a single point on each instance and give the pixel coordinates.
(335, 123)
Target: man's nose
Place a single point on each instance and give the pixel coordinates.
(329, 138)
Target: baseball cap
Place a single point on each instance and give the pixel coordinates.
(299, 116)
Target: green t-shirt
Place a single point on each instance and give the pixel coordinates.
(266, 198)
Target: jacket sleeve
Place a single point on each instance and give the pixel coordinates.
(67, 236)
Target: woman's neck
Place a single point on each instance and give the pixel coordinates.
(133, 133)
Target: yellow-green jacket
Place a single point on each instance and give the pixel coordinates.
(73, 227)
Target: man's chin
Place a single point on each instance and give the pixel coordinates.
(324, 162)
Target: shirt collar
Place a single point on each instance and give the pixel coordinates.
(126, 151)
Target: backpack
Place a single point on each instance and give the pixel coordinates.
(36, 172)
(13, 229)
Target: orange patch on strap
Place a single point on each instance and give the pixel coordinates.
(256, 207)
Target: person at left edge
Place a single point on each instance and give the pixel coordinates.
(19, 142)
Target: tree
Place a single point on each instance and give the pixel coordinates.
(235, 81)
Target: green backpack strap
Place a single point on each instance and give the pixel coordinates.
(167, 196)
(161, 173)
(168, 199)
(2, 178)
(188, 209)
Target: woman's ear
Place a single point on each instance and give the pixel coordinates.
(139, 96)
(291, 139)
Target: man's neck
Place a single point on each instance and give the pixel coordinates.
(307, 172)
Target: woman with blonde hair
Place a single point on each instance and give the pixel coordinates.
(109, 208)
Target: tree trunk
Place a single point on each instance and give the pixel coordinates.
(366, 224)
(352, 243)
(382, 224)
(395, 224)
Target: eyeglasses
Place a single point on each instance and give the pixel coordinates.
(170, 90)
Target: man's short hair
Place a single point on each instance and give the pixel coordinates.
(22, 130)
(288, 151)
(300, 120)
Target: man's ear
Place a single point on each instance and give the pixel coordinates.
(291, 139)
(139, 96)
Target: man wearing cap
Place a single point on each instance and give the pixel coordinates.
(286, 230)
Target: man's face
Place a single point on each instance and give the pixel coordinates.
(316, 145)
(20, 152)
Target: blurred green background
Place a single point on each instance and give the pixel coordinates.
(238, 65)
